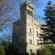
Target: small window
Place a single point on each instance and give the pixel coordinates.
(30, 41)
(37, 43)
(29, 30)
(36, 27)
(37, 33)
(22, 30)
(30, 14)
(30, 50)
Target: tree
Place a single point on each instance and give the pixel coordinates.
(3, 11)
(2, 52)
(7, 11)
(52, 48)
(5, 44)
(6, 8)
(49, 28)
(10, 13)
(11, 50)
(44, 50)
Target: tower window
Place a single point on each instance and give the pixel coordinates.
(37, 43)
(37, 33)
(36, 27)
(30, 41)
(30, 14)
(22, 30)
(29, 30)
(30, 50)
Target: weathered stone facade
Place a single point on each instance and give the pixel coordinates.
(26, 30)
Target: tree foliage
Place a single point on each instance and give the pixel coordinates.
(5, 44)
(11, 50)
(8, 7)
(44, 50)
(2, 52)
(7, 12)
(49, 28)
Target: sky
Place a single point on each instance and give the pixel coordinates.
(38, 10)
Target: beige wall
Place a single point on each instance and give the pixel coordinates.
(32, 36)
(26, 25)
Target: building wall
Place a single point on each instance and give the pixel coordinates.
(25, 23)
(35, 27)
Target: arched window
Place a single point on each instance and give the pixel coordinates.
(22, 30)
(31, 14)
(30, 41)
(36, 27)
(29, 30)
(37, 43)
(30, 50)
(37, 33)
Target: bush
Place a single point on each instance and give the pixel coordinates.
(52, 48)
(2, 52)
(23, 54)
(32, 53)
(11, 50)
(44, 50)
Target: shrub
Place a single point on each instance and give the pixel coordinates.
(24, 53)
(2, 52)
(44, 50)
(32, 53)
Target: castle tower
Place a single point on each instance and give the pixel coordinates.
(26, 17)
(25, 36)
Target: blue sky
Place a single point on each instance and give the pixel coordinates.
(38, 10)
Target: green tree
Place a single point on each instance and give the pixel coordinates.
(11, 50)
(44, 50)
(2, 52)
(6, 44)
(52, 48)
(49, 28)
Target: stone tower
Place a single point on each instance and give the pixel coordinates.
(25, 35)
